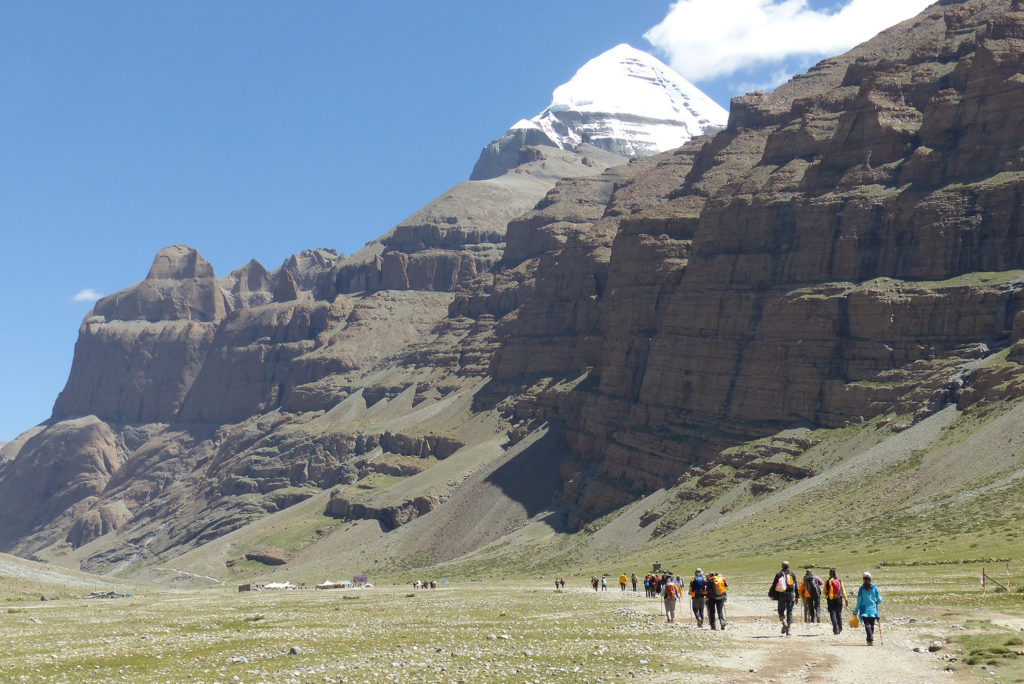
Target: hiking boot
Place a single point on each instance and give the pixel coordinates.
(723, 627)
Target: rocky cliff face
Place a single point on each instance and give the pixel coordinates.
(809, 272)
(850, 246)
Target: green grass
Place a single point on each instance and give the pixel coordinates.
(472, 632)
(993, 647)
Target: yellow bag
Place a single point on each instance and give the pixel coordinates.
(854, 622)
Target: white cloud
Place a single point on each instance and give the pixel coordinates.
(87, 295)
(705, 39)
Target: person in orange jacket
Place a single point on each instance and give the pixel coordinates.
(622, 581)
(810, 593)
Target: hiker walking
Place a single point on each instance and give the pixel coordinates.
(835, 599)
(810, 594)
(717, 587)
(868, 599)
(783, 590)
(562, 582)
(604, 583)
(633, 579)
(671, 595)
(593, 581)
(698, 592)
(622, 581)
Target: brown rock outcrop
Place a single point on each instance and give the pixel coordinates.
(389, 517)
(54, 470)
(95, 522)
(267, 556)
(140, 349)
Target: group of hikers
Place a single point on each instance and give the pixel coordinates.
(710, 592)
(785, 589)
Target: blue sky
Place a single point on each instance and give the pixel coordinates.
(257, 129)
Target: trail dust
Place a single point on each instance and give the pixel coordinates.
(754, 650)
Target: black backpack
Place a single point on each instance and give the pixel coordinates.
(812, 588)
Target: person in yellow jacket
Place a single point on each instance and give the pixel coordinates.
(717, 588)
(622, 581)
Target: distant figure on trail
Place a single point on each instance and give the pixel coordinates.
(647, 585)
(716, 595)
(622, 581)
(593, 580)
(562, 582)
(868, 599)
(633, 579)
(810, 594)
(835, 599)
(698, 592)
(783, 590)
(556, 583)
(604, 583)
(671, 596)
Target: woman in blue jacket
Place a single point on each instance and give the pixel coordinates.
(868, 599)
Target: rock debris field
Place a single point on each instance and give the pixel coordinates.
(472, 632)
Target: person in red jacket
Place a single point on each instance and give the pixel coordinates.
(835, 599)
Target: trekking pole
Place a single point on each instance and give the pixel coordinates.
(881, 641)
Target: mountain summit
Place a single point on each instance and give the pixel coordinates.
(624, 101)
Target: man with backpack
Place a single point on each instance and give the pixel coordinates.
(633, 579)
(671, 595)
(783, 590)
(698, 591)
(622, 581)
(835, 599)
(717, 587)
(810, 592)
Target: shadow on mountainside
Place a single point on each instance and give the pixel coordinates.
(532, 477)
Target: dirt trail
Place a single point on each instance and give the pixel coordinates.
(757, 652)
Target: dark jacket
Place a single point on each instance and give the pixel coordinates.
(790, 586)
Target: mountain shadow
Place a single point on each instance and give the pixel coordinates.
(532, 477)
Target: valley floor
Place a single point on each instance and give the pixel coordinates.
(508, 631)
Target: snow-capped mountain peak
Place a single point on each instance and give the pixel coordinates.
(625, 101)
